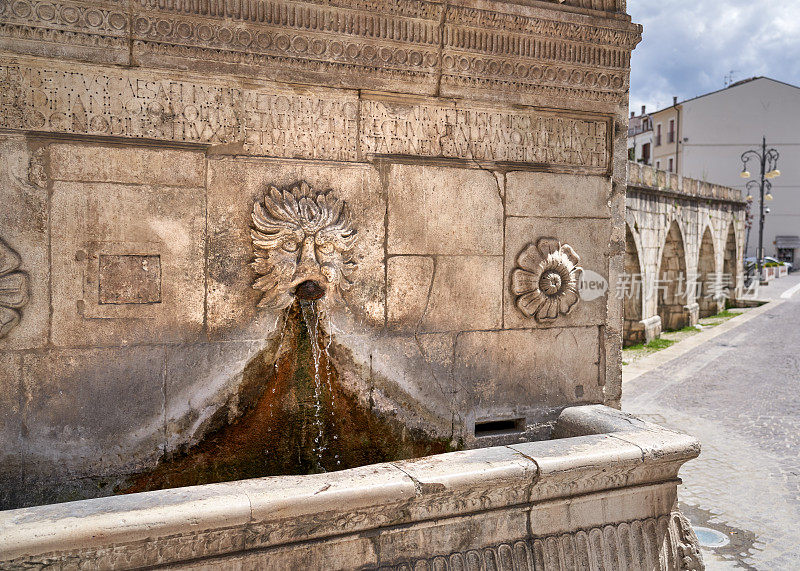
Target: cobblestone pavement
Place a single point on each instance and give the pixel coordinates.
(738, 393)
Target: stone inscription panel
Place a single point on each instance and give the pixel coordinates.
(98, 101)
(274, 120)
(519, 135)
(302, 126)
(128, 103)
(129, 279)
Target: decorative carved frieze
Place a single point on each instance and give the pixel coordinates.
(667, 543)
(256, 10)
(303, 242)
(545, 281)
(407, 45)
(14, 289)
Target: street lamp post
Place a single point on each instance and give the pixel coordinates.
(768, 161)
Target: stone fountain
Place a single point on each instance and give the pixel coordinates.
(304, 283)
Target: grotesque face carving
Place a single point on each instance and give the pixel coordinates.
(303, 241)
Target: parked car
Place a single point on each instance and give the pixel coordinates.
(751, 262)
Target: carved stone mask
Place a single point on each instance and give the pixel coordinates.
(303, 243)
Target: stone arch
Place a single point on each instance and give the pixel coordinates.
(671, 286)
(707, 280)
(729, 265)
(632, 300)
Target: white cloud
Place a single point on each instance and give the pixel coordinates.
(689, 46)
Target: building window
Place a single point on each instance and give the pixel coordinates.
(671, 132)
(631, 153)
(670, 165)
(646, 153)
(658, 165)
(658, 135)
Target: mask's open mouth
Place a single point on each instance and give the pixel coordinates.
(309, 290)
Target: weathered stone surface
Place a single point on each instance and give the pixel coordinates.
(430, 294)
(525, 378)
(465, 295)
(459, 223)
(153, 166)
(557, 195)
(419, 366)
(11, 402)
(409, 280)
(24, 217)
(111, 219)
(85, 425)
(201, 380)
(589, 240)
(129, 279)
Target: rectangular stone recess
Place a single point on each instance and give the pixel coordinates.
(129, 279)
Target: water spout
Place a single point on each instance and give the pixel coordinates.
(309, 290)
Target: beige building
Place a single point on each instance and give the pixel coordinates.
(640, 138)
(704, 138)
(666, 134)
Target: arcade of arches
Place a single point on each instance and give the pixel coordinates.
(683, 251)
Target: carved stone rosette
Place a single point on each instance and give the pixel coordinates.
(303, 243)
(13, 289)
(545, 281)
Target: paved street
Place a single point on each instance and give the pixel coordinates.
(738, 393)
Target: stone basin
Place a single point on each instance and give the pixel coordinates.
(602, 494)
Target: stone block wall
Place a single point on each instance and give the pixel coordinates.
(467, 139)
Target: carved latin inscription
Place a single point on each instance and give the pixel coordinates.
(496, 135)
(98, 101)
(303, 242)
(270, 121)
(303, 126)
(123, 103)
(13, 289)
(545, 281)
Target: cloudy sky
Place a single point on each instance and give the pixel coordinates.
(689, 46)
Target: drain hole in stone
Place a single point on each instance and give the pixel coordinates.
(492, 427)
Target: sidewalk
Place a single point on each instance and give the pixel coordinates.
(776, 288)
(775, 293)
